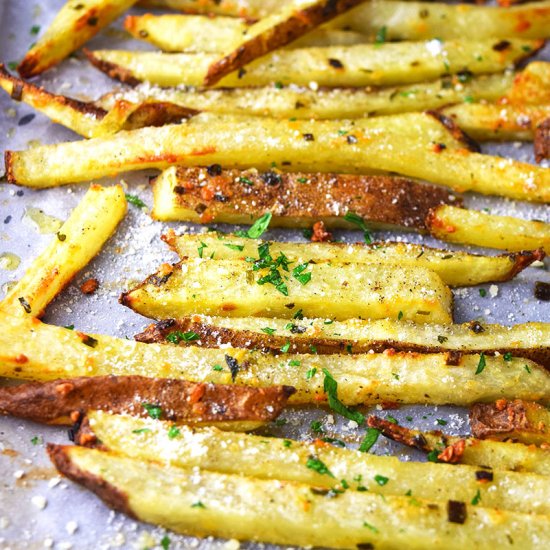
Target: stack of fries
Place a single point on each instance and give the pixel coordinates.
(320, 115)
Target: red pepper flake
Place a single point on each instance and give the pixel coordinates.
(320, 234)
(89, 286)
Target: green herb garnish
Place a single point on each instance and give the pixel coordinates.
(331, 389)
(135, 200)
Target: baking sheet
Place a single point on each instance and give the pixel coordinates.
(37, 508)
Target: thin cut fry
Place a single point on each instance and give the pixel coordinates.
(284, 25)
(269, 458)
(530, 340)
(78, 240)
(289, 513)
(455, 268)
(542, 140)
(494, 122)
(458, 225)
(360, 65)
(35, 351)
(412, 144)
(497, 455)
(74, 25)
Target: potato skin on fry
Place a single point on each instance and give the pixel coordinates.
(542, 141)
(179, 400)
(296, 199)
(518, 420)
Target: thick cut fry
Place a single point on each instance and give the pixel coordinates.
(74, 25)
(492, 122)
(423, 20)
(458, 225)
(269, 458)
(78, 240)
(515, 420)
(238, 288)
(531, 340)
(79, 116)
(35, 351)
(542, 140)
(455, 268)
(413, 144)
(281, 27)
(497, 455)
(195, 33)
(339, 103)
(294, 199)
(64, 401)
(361, 65)
(298, 514)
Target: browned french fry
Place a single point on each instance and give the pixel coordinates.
(64, 401)
(516, 420)
(542, 140)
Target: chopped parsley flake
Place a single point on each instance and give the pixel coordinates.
(173, 432)
(238, 247)
(482, 363)
(154, 411)
(371, 527)
(371, 437)
(526, 367)
(507, 356)
(176, 337)
(294, 363)
(354, 219)
(258, 228)
(482, 292)
(285, 348)
(141, 431)
(198, 504)
(165, 542)
(287, 443)
(313, 463)
(311, 373)
(400, 316)
(477, 498)
(381, 35)
(36, 440)
(269, 331)
(441, 422)
(300, 276)
(217, 368)
(317, 426)
(298, 315)
(135, 200)
(381, 480)
(331, 389)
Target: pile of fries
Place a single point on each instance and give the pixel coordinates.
(319, 115)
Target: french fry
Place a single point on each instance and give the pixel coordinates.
(34, 351)
(458, 225)
(275, 287)
(399, 21)
(78, 240)
(532, 85)
(455, 268)
(195, 33)
(339, 103)
(412, 144)
(497, 455)
(237, 507)
(542, 140)
(530, 340)
(494, 122)
(516, 420)
(360, 65)
(207, 195)
(423, 20)
(274, 31)
(65, 401)
(73, 26)
(249, 9)
(269, 458)
(81, 117)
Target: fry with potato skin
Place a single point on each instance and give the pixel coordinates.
(61, 401)
(281, 27)
(236, 507)
(78, 240)
(249, 455)
(531, 340)
(458, 225)
(246, 288)
(295, 199)
(497, 455)
(516, 420)
(73, 26)
(34, 351)
(343, 66)
(542, 141)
